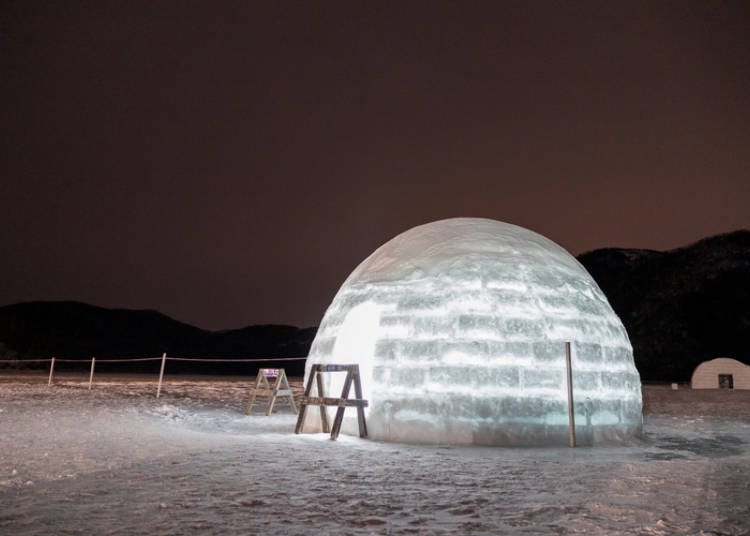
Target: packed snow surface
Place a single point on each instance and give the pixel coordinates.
(115, 460)
(459, 329)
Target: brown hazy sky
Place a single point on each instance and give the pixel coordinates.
(231, 163)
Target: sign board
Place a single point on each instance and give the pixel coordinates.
(270, 372)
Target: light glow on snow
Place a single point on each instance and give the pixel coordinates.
(355, 343)
(459, 329)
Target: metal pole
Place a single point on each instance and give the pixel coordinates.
(91, 376)
(51, 372)
(161, 374)
(571, 409)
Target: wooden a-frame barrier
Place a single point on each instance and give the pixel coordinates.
(263, 388)
(343, 402)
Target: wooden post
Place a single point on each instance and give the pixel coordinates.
(258, 381)
(571, 408)
(51, 372)
(307, 393)
(323, 410)
(274, 393)
(161, 374)
(339, 418)
(91, 376)
(360, 410)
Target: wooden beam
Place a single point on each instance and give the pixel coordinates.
(331, 401)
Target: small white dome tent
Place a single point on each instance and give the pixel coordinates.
(721, 373)
(459, 329)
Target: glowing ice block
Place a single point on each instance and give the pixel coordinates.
(459, 328)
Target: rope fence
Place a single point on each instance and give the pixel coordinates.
(29, 360)
(205, 359)
(164, 358)
(255, 359)
(106, 360)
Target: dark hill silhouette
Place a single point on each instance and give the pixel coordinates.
(73, 330)
(680, 307)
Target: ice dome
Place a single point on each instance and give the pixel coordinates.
(459, 329)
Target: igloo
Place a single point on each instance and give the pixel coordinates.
(459, 329)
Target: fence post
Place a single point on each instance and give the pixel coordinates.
(161, 374)
(51, 372)
(91, 376)
(571, 408)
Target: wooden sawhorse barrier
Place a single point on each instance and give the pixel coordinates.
(263, 388)
(343, 402)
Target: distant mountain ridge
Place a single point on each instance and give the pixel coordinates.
(680, 307)
(77, 330)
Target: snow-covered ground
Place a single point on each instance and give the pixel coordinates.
(115, 460)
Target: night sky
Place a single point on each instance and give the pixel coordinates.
(231, 164)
